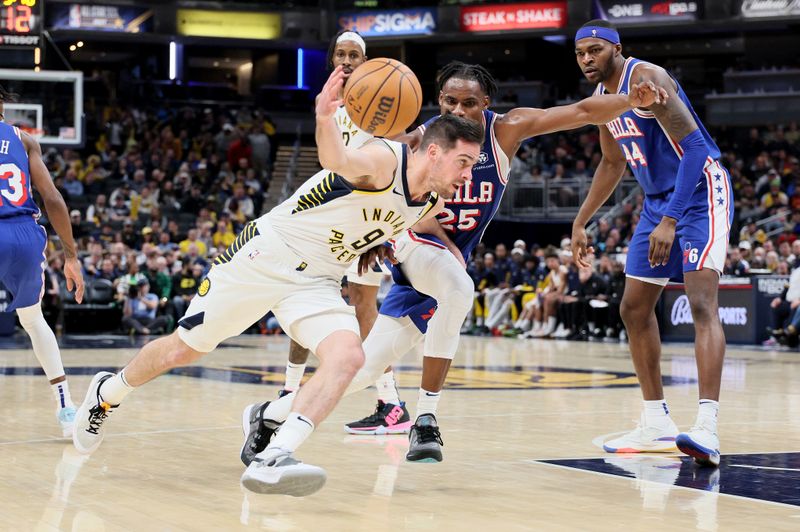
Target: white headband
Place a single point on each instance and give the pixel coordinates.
(355, 37)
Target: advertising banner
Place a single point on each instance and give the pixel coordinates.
(737, 312)
(228, 24)
(769, 8)
(98, 17)
(644, 11)
(420, 21)
(539, 15)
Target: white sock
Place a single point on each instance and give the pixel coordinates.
(551, 324)
(427, 402)
(537, 325)
(656, 413)
(707, 413)
(292, 433)
(114, 389)
(294, 374)
(279, 409)
(61, 393)
(387, 389)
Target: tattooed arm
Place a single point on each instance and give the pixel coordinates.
(678, 122)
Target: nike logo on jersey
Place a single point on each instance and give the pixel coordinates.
(396, 192)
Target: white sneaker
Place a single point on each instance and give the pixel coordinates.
(701, 443)
(275, 471)
(644, 439)
(561, 331)
(66, 418)
(87, 431)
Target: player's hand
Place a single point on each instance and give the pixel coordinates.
(373, 255)
(580, 248)
(328, 100)
(775, 302)
(72, 271)
(646, 94)
(661, 242)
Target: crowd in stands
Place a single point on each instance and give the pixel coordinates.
(154, 198)
(156, 195)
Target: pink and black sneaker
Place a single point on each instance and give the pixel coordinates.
(387, 419)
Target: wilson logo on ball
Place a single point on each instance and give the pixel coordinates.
(380, 115)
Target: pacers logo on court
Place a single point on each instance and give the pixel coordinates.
(205, 286)
(472, 378)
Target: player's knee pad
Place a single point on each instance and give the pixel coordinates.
(30, 317)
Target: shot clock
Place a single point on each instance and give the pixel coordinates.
(20, 23)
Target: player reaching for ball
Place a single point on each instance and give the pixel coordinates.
(291, 261)
(433, 292)
(348, 50)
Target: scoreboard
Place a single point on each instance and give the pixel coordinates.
(20, 23)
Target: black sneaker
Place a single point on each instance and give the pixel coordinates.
(424, 441)
(387, 419)
(284, 393)
(257, 431)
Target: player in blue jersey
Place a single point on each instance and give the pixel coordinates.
(22, 250)
(682, 235)
(434, 292)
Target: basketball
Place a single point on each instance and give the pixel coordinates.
(383, 97)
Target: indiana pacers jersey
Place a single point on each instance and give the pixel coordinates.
(353, 136)
(16, 197)
(652, 154)
(328, 222)
(465, 219)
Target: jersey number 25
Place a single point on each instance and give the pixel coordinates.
(467, 219)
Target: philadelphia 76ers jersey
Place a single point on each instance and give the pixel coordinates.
(16, 197)
(652, 154)
(465, 219)
(473, 206)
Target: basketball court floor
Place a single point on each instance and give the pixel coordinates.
(522, 423)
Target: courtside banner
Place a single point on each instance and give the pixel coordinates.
(769, 8)
(652, 11)
(419, 21)
(539, 15)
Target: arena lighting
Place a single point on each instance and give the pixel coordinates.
(300, 79)
(172, 62)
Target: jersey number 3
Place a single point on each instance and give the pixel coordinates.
(16, 187)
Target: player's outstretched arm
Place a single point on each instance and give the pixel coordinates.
(371, 165)
(525, 122)
(57, 214)
(679, 124)
(605, 180)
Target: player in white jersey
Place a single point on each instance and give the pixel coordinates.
(291, 261)
(349, 50)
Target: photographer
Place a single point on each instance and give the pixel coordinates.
(139, 313)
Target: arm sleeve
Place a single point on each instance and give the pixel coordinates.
(694, 157)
